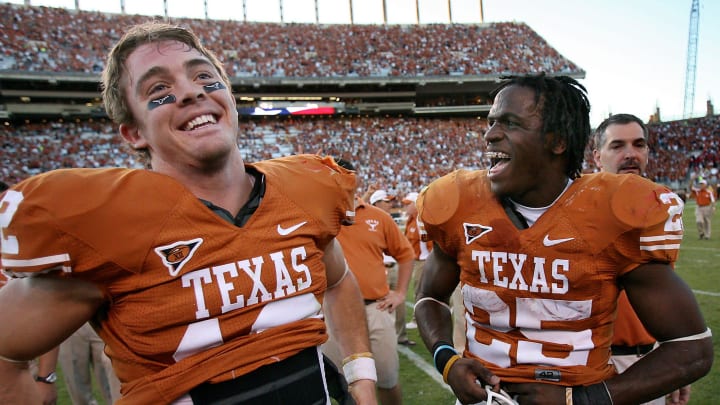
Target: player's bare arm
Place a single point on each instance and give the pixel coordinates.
(47, 364)
(466, 377)
(440, 277)
(45, 311)
(343, 307)
(17, 384)
(669, 311)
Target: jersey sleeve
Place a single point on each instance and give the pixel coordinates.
(79, 220)
(655, 214)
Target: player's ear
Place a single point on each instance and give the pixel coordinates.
(556, 144)
(596, 158)
(131, 134)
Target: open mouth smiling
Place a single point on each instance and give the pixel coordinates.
(497, 158)
(199, 122)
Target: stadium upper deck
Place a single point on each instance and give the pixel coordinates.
(52, 58)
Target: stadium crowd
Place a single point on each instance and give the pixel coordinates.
(61, 40)
(402, 154)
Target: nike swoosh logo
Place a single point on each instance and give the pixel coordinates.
(552, 242)
(287, 231)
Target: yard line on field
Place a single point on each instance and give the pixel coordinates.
(701, 292)
(707, 249)
(424, 366)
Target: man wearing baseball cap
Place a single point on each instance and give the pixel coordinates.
(705, 199)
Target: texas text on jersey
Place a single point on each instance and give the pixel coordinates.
(541, 301)
(215, 287)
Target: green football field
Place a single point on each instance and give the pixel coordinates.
(422, 385)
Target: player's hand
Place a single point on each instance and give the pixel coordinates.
(678, 397)
(536, 393)
(391, 301)
(468, 379)
(363, 392)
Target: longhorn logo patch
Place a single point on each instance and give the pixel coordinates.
(474, 231)
(174, 256)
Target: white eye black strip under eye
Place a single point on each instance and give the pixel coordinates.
(209, 88)
(153, 104)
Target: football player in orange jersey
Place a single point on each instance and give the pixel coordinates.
(204, 275)
(620, 145)
(541, 253)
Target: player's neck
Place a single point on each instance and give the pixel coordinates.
(228, 186)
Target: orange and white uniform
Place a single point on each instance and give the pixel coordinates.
(373, 233)
(422, 249)
(540, 302)
(190, 297)
(703, 197)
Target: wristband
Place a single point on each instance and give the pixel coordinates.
(442, 353)
(352, 357)
(361, 368)
(596, 394)
(449, 364)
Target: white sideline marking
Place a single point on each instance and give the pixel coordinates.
(701, 292)
(706, 249)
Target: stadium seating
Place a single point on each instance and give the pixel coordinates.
(402, 154)
(62, 40)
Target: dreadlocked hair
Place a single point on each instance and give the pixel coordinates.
(565, 113)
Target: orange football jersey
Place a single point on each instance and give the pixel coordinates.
(191, 298)
(421, 248)
(540, 302)
(373, 233)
